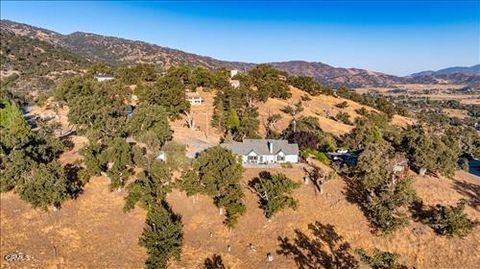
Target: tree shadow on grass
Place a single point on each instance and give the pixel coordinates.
(471, 191)
(74, 180)
(325, 249)
(354, 195)
(214, 262)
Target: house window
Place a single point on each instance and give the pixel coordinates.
(252, 159)
(280, 158)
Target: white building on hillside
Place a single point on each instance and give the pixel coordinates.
(264, 151)
(194, 98)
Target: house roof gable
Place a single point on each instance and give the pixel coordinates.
(260, 147)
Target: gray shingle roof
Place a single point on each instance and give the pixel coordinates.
(260, 146)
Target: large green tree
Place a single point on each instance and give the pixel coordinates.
(116, 159)
(269, 82)
(169, 92)
(149, 124)
(44, 185)
(382, 193)
(162, 236)
(151, 187)
(217, 173)
(274, 192)
(13, 128)
(434, 152)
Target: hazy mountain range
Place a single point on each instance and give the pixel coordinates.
(471, 70)
(78, 49)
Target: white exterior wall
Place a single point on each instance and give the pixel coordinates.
(291, 158)
(268, 158)
(271, 158)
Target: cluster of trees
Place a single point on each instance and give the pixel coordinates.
(311, 140)
(384, 193)
(268, 81)
(99, 111)
(376, 101)
(217, 173)
(309, 84)
(437, 151)
(235, 112)
(28, 162)
(431, 110)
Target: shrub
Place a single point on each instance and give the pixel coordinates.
(304, 140)
(287, 165)
(343, 117)
(451, 220)
(40, 100)
(323, 158)
(305, 98)
(343, 104)
(381, 259)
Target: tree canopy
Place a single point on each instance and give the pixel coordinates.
(217, 173)
(162, 236)
(274, 192)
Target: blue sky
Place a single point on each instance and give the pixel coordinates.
(389, 36)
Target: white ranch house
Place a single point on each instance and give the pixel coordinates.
(264, 151)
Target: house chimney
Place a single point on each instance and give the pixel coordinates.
(270, 146)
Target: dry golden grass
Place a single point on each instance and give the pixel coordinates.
(90, 232)
(461, 114)
(93, 232)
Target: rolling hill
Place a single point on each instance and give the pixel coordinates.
(87, 47)
(472, 70)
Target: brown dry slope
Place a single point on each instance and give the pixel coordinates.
(93, 232)
(320, 106)
(90, 232)
(423, 250)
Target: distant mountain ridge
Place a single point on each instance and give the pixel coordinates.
(118, 51)
(473, 70)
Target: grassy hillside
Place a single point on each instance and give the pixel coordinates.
(38, 64)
